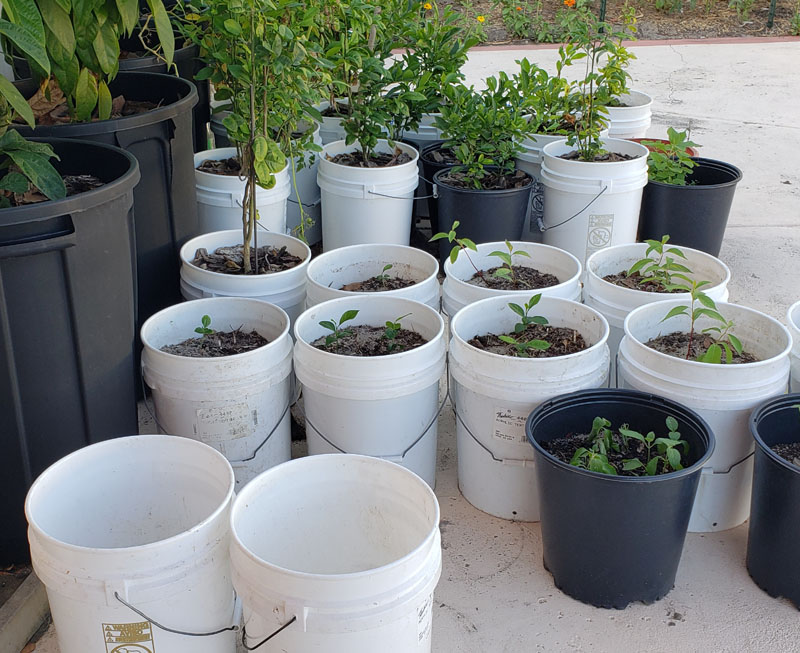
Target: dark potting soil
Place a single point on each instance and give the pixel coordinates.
(378, 284)
(789, 452)
(355, 159)
(50, 108)
(365, 340)
(443, 156)
(562, 341)
(527, 278)
(340, 110)
(490, 181)
(607, 157)
(676, 344)
(228, 167)
(229, 260)
(219, 343)
(75, 184)
(637, 282)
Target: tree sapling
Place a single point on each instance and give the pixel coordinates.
(506, 270)
(336, 327)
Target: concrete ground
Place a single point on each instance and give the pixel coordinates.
(742, 102)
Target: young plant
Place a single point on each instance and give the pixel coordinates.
(391, 331)
(664, 269)
(464, 244)
(664, 451)
(669, 163)
(506, 270)
(337, 333)
(382, 278)
(523, 347)
(25, 166)
(205, 326)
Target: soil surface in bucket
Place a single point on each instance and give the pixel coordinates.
(339, 110)
(606, 157)
(790, 452)
(365, 340)
(230, 260)
(50, 107)
(230, 167)
(355, 159)
(677, 343)
(75, 185)
(379, 283)
(636, 281)
(218, 343)
(562, 341)
(490, 181)
(523, 278)
(622, 453)
(442, 155)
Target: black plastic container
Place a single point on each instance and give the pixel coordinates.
(429, 169)
(484, 215)
(694, 215)
(67, 309)
(164, 201)
(773, 544)
(424, 190)
(612, 540)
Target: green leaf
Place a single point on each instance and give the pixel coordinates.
(16, 100)
(714, 315)
(628, 433)
(706, 301)
(40, 171)
(233, 27)
(713, 355)
(33, 48)
(129, 12)
(454, 253)
(103, 101)
(469, 244)
(674, 458)
(502, 255)
(677, 310)
(517, 309)
(328, 324)
(106, 48)
(59, 22)
(538, 319)
(735, 343)
(508, 339)
(85, 95)
(632, 463)
(638, 266)
(166, 36)
(502, 272)
(652, 466)
(347, 316)
(14, 182)
(260, 148)
(672, 423)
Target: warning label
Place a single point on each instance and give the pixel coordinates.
(129, 638)
(601, 229)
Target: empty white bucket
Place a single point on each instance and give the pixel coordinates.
(237, 404)
(615, 302)
(590, 205)
(493, 396)
(427, 131)
(328, 272)
(383, 406)
(793, 320)
(366, 205)
(457, 293)
(145, 518)
(632, 120)
(723, 395)
(286, 289)
(220, 197)
(346, 546)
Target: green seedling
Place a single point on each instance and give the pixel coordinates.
(506, 271)
(383, 277)
(663, 269)
(670, 163)
(337, 333)
(205, 326)
(391, 331)
(523, 347)
(464, 244)
(523, 312)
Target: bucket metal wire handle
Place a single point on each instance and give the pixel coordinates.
(540, 219)
(266, 639)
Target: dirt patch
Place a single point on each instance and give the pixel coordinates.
(376, 160)
(230, 167)
(676, 344)
(562, 341)
(789, 452)
(365, 340)
(339, 110)
(526, 278)
(637, 282)
(606, 157)
(230, 260)
(75, 184)
(380, 283)
(490, 181)
(219, 343)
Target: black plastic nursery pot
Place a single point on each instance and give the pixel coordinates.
(429, 169)
(611, 540)
(773, 544)
(425, 189)
(694, 215)
(67, 314)
(164, 201)
(484, 215)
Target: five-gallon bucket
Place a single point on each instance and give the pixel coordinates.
(238, 404)
(793, 320)
(331, 128)
(342, 552)
(592, 205)
(220, 197)
(136, 524)
(330, 272)
(457, 291)
(366, 205)
(286, 288)
(722, 394)
(493, 396)
(632, 119)
(615, 302)
(384, 406)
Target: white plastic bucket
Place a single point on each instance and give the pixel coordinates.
(331, 128)
(427, 131)
(724, 395)
(615, 302)
(144, 518)
(347, 546)
(457, 293)
(793, 320)
(366, 205)
(382, 406)
(237, 404)
(632, 120)
(286, 289)
(328, 272)
(589, 205)
(493, 396)
(220, 197)
(304, 189)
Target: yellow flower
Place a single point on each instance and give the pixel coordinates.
(428, 5)
(482, 19)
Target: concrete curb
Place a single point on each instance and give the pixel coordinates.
(732, 40)
(22, 614)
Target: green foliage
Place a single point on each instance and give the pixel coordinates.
(742, 8)
(524, 347)
(391, 331)
(337, 333)
(524, 313)
(549, 100)
(205, 326)
(25, 165)
(670, 163)
(794, 24)
(506, 270)
(663, 270)
(464, 244)
(383, 277)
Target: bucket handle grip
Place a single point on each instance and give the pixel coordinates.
(504, 461)
(540, 219)
(266, 639)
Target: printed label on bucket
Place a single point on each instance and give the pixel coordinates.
(509, 425)
(129, 638)
(424, 620)
(223, 423)
(601, 228)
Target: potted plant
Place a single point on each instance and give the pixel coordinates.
(220, 371)
(616, 467)
(392, 270)
(772, 552)
(721, 360)
(505, 359)
(370, 369)
(793, 320)
(698, 190)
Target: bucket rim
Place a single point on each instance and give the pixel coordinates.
(184, 442)
(794, 308)
(768, 407)
(608, 165)
(323, 156)
(319, 460)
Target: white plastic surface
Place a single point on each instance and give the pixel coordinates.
(632, 120)
(793, 320)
